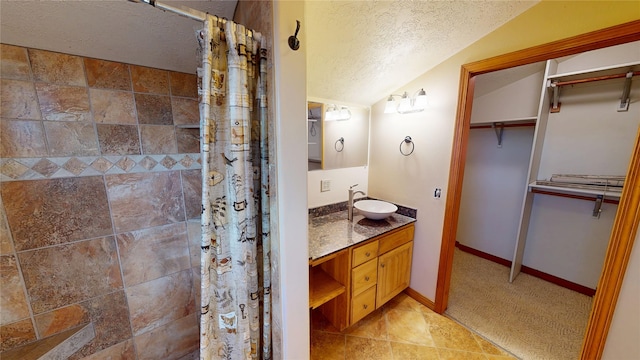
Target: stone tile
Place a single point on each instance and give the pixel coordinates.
(113, 107)
(154, 109)
(194, 233)
(58, 68)
(63, 103)
(448, 334)
(110, 317)
(172, 341)
(102, 165)
(118, 139)
(413, 352)
(449, 354)
(18, 100)
(197, 283)
(152, 253)
(22, 138)
(489, 348)
(188, 140)
(373, 326)
(107, 74)
(149, 80)
(158, 139)
(60, 275)
(75, 166)
(327, 346)
(59, 320)
(126, 164)
(168, 162)
(183, 84)
(365, 349)
(56, 211)
(14, 63)
(6, 245)
(121, 351)
(161, 301)
(45, 167)
(145, 200)
(192, 187)
(71, 139)
(403, 301)
(194, 355)
(12, 299)
(16, 334)
(13, 169)
(185, 111)
(407, 326)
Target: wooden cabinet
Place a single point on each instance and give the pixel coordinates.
(350, 284)
(394, 271)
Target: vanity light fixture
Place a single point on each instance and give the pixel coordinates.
(407, 104)
(334, 113)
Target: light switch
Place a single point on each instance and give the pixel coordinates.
(325, 185)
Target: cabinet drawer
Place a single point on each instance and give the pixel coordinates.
(364, 253)
(363, 304)
(364, 276)
(395, 239)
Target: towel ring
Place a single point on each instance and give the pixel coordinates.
(341, 141)
(407, 140)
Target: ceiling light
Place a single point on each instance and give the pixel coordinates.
(407, 104)
(334, 113)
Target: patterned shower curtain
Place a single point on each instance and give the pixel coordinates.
(235, 268)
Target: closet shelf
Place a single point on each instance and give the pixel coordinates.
(601, 71)
(538, 186)
(312, 120)
(510, 122)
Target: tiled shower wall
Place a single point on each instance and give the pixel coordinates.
(99, 204)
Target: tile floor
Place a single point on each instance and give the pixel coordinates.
(401, 329)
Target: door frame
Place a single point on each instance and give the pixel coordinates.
(627, 217)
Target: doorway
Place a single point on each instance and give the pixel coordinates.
(626, 221)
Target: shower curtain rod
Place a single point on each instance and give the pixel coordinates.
(182, 10)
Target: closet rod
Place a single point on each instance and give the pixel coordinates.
(488, 126)
(596, 78)
(579, 197)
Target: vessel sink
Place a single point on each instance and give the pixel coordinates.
(375, 209)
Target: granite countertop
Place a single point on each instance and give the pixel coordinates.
(333, 232)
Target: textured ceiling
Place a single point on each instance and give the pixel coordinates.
(116, 30)
(358, 51)
(361, 51)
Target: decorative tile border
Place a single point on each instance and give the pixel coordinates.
(12, 169)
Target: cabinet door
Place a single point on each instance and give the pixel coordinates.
(394, 270)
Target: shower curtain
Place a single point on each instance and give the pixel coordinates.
(235, 269)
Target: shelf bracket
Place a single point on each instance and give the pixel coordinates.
(625, 100)
(498, 127)
(597, 207)
(555, 97)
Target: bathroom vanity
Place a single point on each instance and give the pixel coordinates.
(356, 267)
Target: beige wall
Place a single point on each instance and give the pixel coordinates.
(432, 130)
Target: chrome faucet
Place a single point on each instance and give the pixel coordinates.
(351, 195)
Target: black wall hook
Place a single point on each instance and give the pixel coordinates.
(294, 43)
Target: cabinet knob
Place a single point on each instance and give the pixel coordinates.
(367, 254)
(381, 265)
(366, 278)
(365, 306)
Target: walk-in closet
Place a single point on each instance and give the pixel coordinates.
(548, 150)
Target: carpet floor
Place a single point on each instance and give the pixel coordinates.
(531, 318)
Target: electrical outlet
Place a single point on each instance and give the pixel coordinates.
(325, 185)
(437, 193)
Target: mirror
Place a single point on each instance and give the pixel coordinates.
(336, 144)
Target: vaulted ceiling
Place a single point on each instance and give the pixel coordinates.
(357, 51)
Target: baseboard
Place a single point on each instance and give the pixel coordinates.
(530, 271)
(420, 298)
